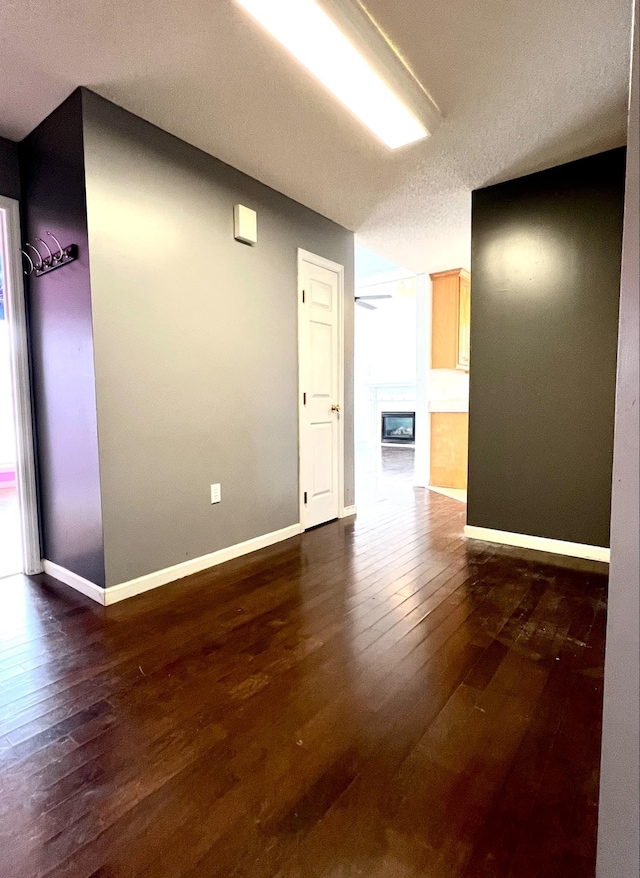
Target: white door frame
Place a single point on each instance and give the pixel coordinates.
(16, 316)
(422, 477)
(314, 259)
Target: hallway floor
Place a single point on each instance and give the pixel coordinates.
(374, 698)
(383, 471)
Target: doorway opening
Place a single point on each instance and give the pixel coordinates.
(10, 530)
(448, 381)
(384, 377)
(19, 539)
(411, 379)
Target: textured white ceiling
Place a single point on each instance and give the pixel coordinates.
(522, 86)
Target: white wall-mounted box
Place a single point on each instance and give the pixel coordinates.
(245, 224)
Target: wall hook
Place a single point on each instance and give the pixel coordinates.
(49, 259)
(32, 268)
(44, 264)
(60, 254)
(40, 264)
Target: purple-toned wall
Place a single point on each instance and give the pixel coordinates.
(9, 169)
(61, 334)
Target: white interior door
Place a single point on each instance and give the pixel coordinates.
(321, 389)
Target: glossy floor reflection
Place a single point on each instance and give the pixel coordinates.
(374, 698)
(383, 471)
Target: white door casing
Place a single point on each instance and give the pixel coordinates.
(321, 388)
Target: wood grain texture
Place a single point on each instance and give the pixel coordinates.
(374, 698)
(449, 449)
(450, 319)
(464, 323)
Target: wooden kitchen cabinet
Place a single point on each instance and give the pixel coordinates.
(451, 319)
(449, 449)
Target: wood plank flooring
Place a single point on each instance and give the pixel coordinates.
(375, 698)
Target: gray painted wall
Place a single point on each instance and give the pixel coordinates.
(195, 344)
(9, 169)
(618, 843)
(60, 326)
(546, 253)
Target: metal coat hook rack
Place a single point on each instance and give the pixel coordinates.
(40, 264)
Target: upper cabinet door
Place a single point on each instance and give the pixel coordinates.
(451, 311)
(464, 322)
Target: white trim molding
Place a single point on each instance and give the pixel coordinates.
(16, 313)
(115, 593)
(424, 295)
(348, 511)
(540, 544)
(84, 586)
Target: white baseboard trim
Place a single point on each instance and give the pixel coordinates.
(124, 590)
(133, 587)
(85, 586)
(347, 511)
(541, 544)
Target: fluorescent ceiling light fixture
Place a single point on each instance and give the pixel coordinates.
(305, 29)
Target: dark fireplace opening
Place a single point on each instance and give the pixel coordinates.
(399, 427)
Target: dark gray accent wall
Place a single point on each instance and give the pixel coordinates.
(9, 169)
(546, 252)
(61, 336)
(619, 836)
(195, 345)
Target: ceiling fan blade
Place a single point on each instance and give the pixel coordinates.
(365, 305)
(375, 297)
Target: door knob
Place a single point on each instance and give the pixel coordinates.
(335, 408)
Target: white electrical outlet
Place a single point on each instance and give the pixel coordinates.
(216, 494)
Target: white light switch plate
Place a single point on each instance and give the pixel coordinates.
(216, 494)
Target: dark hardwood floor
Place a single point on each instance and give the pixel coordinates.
(375, 698)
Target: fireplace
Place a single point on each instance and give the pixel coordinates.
(399, 427)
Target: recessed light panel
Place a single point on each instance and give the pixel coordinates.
(311, 36)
